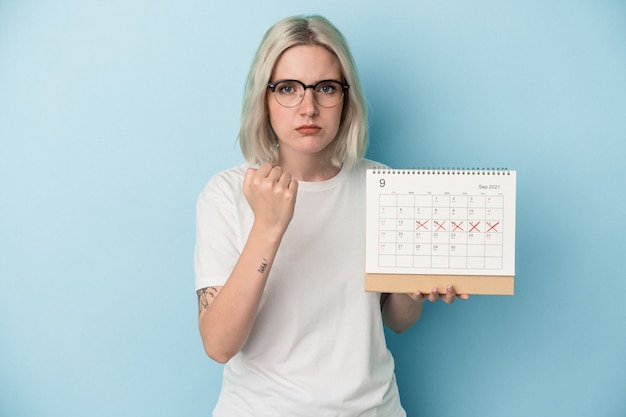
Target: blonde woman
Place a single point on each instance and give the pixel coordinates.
(279, 251)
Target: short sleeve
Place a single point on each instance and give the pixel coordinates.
(218, 244)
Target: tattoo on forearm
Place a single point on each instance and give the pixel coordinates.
(263, 266)
(205, 297)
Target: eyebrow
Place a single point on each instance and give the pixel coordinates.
(340, 79)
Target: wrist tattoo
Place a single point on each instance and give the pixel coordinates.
(205, 297)
(263, 266)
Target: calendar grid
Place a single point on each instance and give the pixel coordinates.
(440, 231)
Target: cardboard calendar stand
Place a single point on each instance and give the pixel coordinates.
(463, 284)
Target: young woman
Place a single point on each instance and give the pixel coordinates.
(279, 250)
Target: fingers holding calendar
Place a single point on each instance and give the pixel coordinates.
(448, 297)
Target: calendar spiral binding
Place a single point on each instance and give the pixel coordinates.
(440, 171)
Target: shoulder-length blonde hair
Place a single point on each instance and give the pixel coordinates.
(256, 137)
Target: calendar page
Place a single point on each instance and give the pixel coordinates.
(457, 225)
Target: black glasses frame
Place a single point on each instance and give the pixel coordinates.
(272, 87)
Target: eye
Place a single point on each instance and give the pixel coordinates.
(286, 88)
(328, 88)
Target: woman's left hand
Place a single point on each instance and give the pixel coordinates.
(434, 295)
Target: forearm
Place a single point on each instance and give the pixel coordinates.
(226, 320)
(400, 312)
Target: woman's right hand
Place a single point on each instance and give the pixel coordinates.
(271, 193)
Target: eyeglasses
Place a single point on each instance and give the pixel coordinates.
(290, 93)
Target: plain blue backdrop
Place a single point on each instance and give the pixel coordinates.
(113, 116)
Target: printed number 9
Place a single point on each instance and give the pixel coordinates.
(382, 182)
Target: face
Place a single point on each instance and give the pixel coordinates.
(307, 129)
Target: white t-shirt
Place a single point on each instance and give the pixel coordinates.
(317, 347)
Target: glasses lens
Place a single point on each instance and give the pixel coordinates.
(328, 93)
(289, 93)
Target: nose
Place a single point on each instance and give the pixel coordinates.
(308, 105)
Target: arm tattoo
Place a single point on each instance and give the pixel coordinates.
(263, 266)
(205, 297)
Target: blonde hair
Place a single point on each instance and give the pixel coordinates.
(256, 137)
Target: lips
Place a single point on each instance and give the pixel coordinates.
(308, 129)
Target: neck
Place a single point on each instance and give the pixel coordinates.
(309, 169)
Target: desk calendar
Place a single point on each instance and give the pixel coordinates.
(428, 228)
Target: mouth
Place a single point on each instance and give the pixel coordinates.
(308, 129)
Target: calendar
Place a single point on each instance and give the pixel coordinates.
(434, 227)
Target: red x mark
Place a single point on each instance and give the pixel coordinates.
(421, 225)
(474, 227)
(457, 226)
(492, 227)
(440, 226)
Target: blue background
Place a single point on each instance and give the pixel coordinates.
(113, 116)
